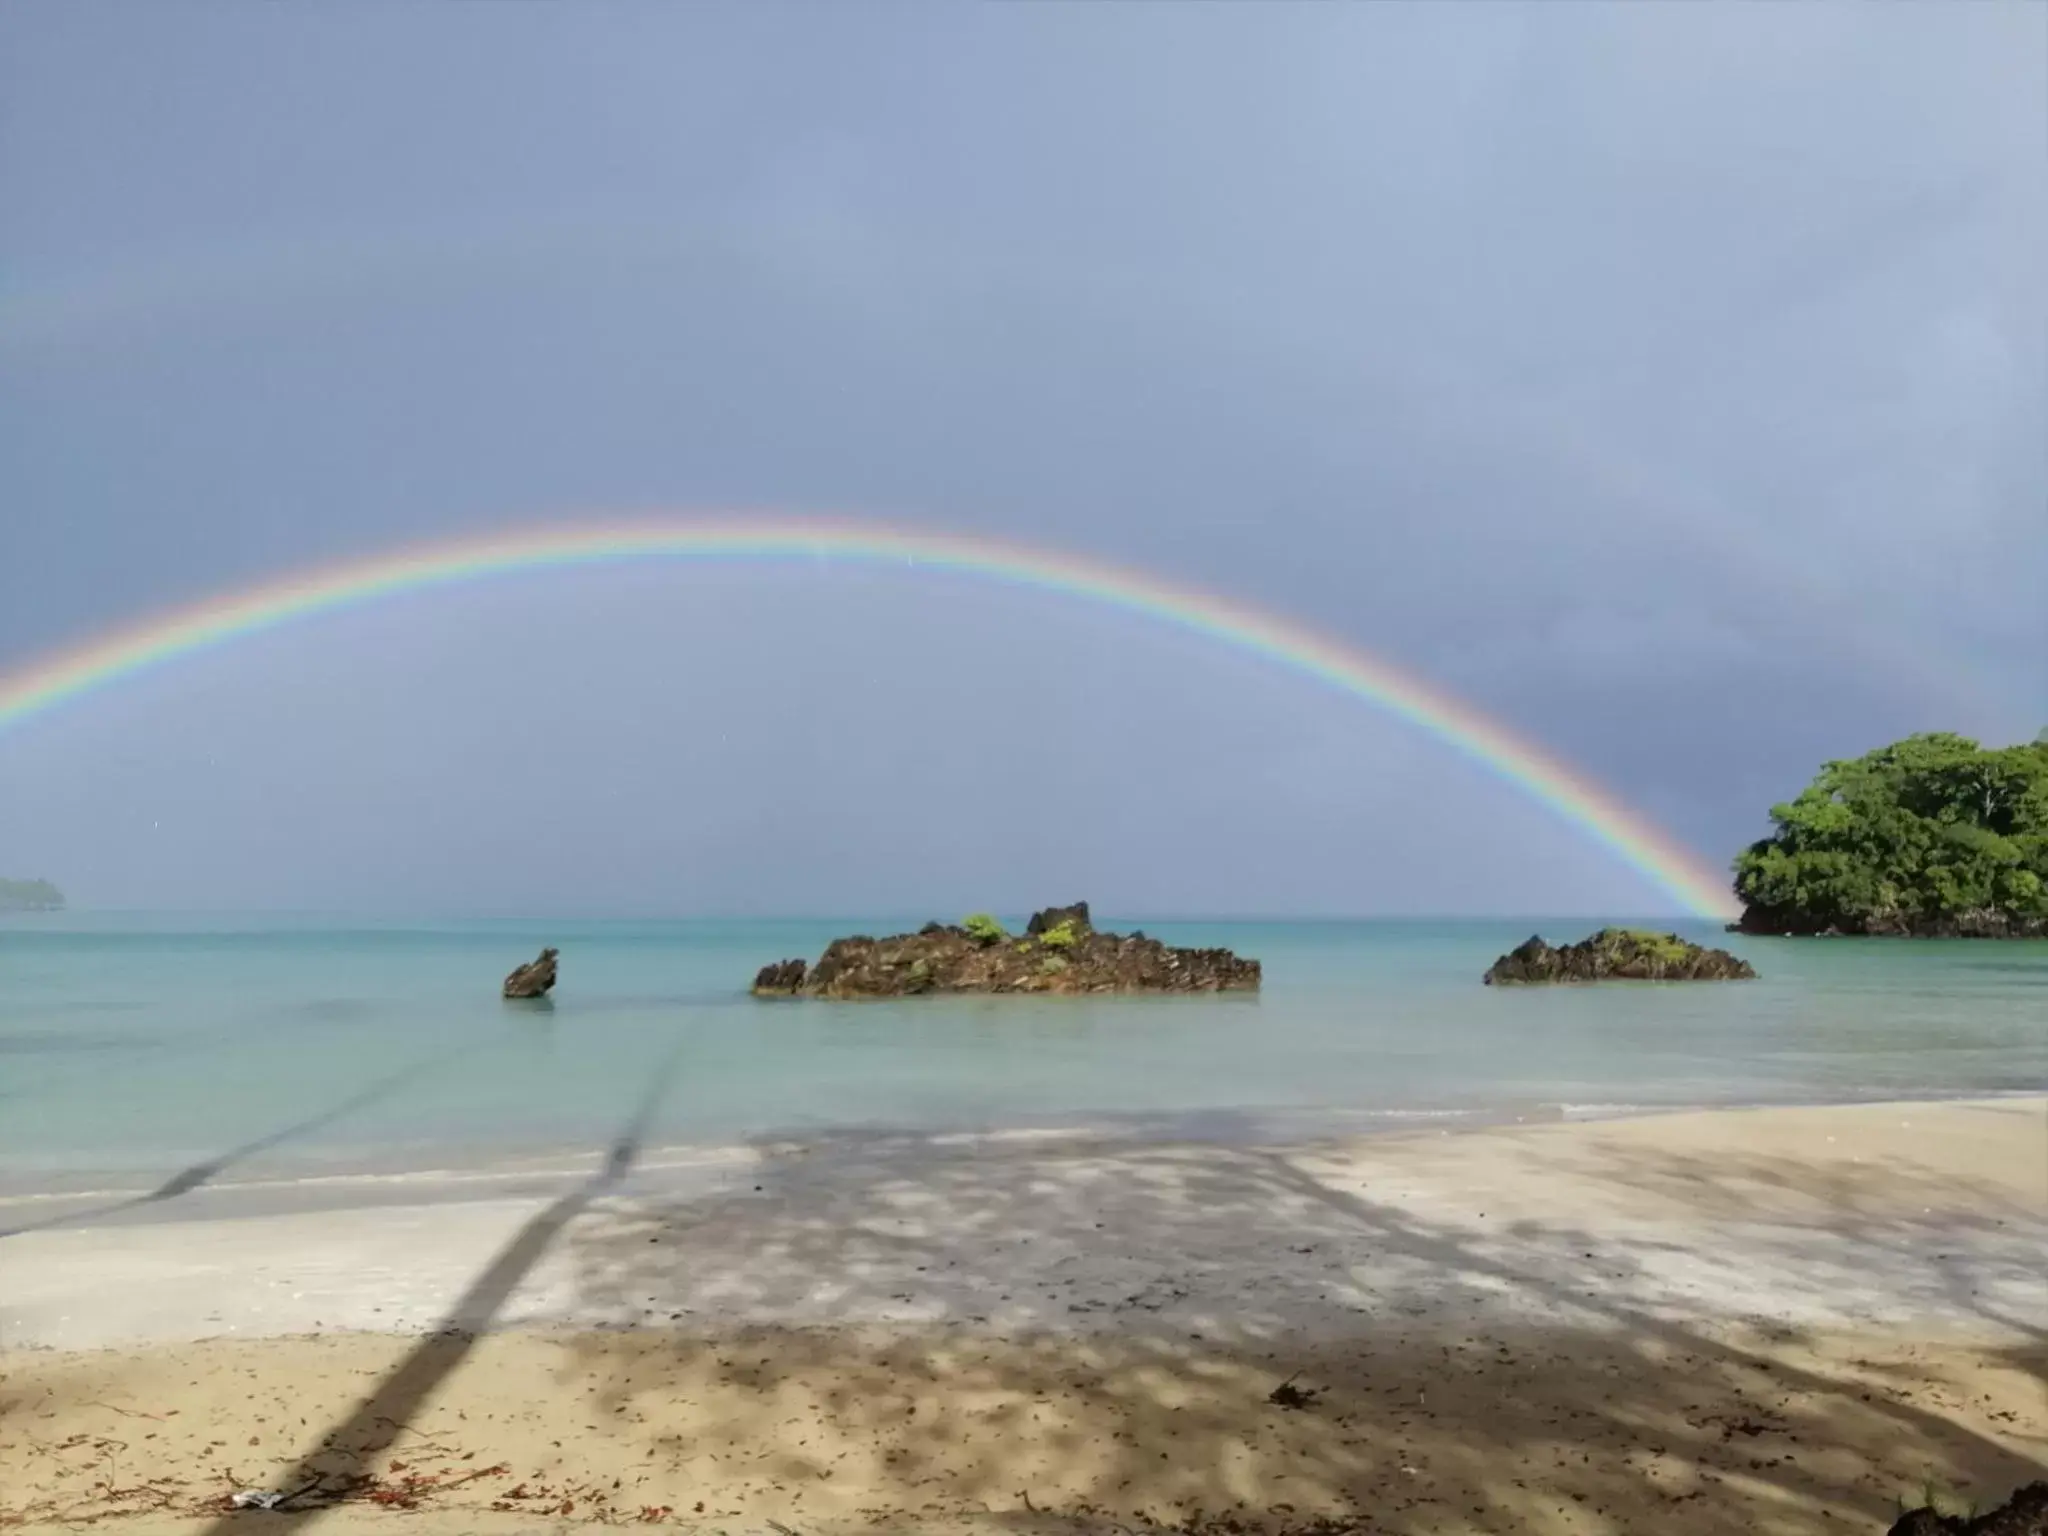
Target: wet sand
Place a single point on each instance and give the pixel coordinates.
(1770, 1320)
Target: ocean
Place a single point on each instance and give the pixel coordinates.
(135, 1048)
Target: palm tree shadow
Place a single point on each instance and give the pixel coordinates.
(326, 1476)
(185, 1180)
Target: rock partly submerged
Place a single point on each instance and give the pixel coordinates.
(534, 979)
(1060, 951)
(1617, 954)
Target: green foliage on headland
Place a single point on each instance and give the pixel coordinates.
(1930, 835)
(30, 896)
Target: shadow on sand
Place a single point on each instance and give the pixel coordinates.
(1092, 1337)
(327, 1476)
(185, 1180)
(1071, 1310)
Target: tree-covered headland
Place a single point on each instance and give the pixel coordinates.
(30, 896)
(1933, 835)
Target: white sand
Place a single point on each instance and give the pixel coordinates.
(1561, 1321)
(1936, 1214)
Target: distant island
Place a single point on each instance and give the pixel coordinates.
(30, 896)
(1933, 836)
(1616, 954)
(1060, 951)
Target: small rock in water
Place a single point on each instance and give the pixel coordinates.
(534, 979)
(782, 978)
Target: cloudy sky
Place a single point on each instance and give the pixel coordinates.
(1668, 382)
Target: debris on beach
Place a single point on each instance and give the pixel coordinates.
(534, 979)
(1060, 951)
(1617, 954)
(1288, 1395)
(2024, 1514)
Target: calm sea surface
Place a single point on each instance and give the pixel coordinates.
(135, 1046)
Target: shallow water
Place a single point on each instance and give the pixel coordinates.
(132, 1046)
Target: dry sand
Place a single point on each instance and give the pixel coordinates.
(1770, 1321)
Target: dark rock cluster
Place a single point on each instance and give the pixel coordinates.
(1060, 951)
(1617, 954)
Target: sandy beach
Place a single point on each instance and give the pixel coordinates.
(1765, 1320)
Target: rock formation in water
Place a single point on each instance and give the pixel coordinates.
(2024, 1514)
(534, 979)
(1617, 954)
(1061, 951)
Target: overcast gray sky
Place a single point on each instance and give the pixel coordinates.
(1668, 381)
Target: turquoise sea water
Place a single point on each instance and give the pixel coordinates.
(133, 1046)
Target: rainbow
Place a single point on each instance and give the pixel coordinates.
(1666, 864)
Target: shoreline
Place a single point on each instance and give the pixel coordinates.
(1973, 1166)
(1779, 1320)
(448, 1179)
